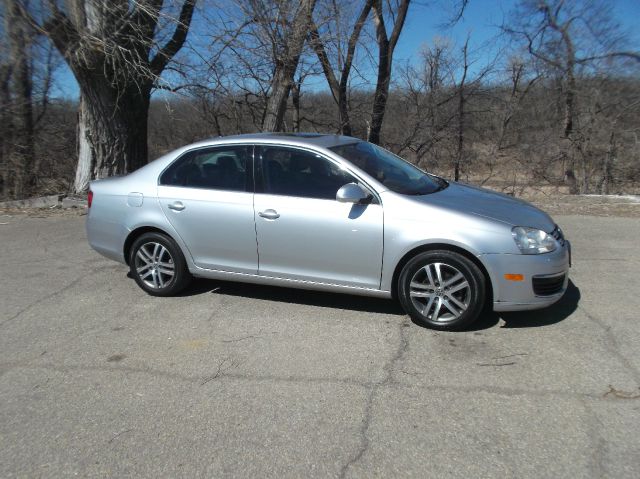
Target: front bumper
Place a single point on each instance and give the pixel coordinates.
(519, 295)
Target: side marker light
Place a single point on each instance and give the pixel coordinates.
(514, 277)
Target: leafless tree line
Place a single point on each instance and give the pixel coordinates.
(559, 104)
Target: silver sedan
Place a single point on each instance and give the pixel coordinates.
(330, 213)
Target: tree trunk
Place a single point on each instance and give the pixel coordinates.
(343, 110)
(286, 67)
(460, 146)
(339, 88)
(112, 131)
(277, 101)
(386, 46)
(607, 164)
(108, 46)
(570, 179)
(22, 155)
(381, 94)
(84, 168)
(295, 101)
(5, 128)
(461, 112)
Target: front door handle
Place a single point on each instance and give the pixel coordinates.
(269, 214)
(176, 206)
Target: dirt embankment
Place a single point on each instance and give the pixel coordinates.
(588, 205)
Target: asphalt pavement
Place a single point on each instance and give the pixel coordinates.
(97, 379)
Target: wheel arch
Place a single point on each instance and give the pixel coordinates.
(136, 233)
(447, 247)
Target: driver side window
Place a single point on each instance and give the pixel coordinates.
(293, 172)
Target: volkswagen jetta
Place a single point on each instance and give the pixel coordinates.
(331, 213)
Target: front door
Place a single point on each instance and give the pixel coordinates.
(207, 196)
(303, 232)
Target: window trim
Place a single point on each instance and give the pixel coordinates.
(249, 186)
(259, 172)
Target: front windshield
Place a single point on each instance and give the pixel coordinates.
(390, 170)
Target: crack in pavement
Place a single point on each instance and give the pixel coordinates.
(373, 387)
(612, 344)
(220, 370)
(201, 380)
(58, 291)
(47, 297)
(372, 392)
(599, 445)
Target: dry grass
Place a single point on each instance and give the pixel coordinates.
(586, 205)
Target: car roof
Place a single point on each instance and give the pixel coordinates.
(324, 140)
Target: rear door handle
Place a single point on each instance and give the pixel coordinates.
(269, 214)
(176, 206)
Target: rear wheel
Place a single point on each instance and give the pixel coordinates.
(158, 265)
(442, 289)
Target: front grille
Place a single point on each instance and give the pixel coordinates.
(548, 285)
(557, 234)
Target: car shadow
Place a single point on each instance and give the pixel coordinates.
(532, 319)
(297, 296)
(518, 319)
(547, 316)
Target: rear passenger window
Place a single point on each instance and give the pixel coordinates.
(219, 168)
(292, 172)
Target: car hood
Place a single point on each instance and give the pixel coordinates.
(489, 204)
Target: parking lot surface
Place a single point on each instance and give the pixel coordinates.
(97, 379)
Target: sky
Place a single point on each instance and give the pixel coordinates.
(481, 20)
(426, 21)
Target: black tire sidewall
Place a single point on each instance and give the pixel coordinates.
(181, 277)
(471, 272)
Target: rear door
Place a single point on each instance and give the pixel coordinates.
(303, 232)
(207, 196)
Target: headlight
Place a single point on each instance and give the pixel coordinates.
(533, 241)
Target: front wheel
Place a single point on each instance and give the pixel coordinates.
(158, 265)
(442, 289)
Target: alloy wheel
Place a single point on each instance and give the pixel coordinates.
(440, 292)
(154, 265)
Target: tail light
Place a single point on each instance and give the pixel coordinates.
(89, 198)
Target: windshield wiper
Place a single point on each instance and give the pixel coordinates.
(442, 183)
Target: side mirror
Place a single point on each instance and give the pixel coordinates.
(353, 193)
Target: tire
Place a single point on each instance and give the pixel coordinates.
(158, 265)
(442, 290)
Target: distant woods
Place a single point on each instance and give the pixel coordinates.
(558, 104)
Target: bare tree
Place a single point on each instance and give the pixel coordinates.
(256, 51)
(298, 116)
(343, 62)
(27, 64)
(447, 96)
(468, 86)
(520, 84)
(386, 46)
(6, 123)
(462, 101)
(426, 89)
(287, 23)
(21, 155)
(112, 50)
(570, 38)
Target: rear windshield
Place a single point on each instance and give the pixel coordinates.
(392, 171)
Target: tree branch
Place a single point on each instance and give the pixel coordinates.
(632, 55)
(318, 48)
(353, 41)
(167, 52)
(399, 23)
